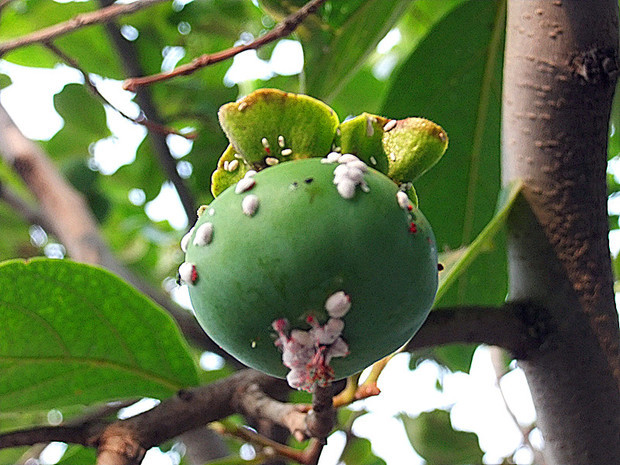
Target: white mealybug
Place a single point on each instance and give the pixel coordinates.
(265, 142)
(232, 166)
(187, 272)
(286, 152)
(346, 188)
(329, 332)
(338, 349)
(249, 205)
(331, 157)
(391, 124)
(403, 199)
(338, 304)
(244, 184)
(226, 163)
(271, 161)
(370, 129)
(204, 234)
(242, 106)
(185, 240)
(281, 141)
(347, 158)
(250, 174)
(358, 165)
(373, 160)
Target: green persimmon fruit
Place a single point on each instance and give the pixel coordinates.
(313, 267)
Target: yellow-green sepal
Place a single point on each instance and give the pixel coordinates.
(270, 123)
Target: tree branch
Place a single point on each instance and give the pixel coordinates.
(131, 63)
(141, 120)
(282, 29)
(517, 327)
(86, 19)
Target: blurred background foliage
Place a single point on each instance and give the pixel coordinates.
(440, 59)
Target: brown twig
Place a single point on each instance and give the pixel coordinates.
(142, 120)
(86, 19)
(269, 447)
(282, 29)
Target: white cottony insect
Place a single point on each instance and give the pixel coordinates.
(338, 304)
(232, 166)
(185, 240)
(331, 157)
(226, 163)
(391, 124)
(249, 205)
(346, 188)
(244, 184)
(348, 158)
(281, 141)
(250, 174)
(349, 174)
(242, 106)
(265, 142)
(204, 234)
(187, 272)
(338, 349)
(403, 199)
(297, 378)
(373, 160)
(370, 129)
(271, 161)
(286, 152)
(329, 332)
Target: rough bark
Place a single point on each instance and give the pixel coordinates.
(559, 77)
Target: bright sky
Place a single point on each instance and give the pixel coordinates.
(475, 399)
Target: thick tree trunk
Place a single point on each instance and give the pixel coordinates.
(559, 77)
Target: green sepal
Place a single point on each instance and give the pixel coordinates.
(223, 177)
(363, 137)
(413, 146)
(307, 126)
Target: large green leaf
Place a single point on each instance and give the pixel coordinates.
(364, 91)
(76, 334)
(89, 46)
(338, 41)
(85, 122)
(461, 91)
(358, 451)
(432, 436)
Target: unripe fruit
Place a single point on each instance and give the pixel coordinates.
(306, 269)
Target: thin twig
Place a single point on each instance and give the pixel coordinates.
(129, 58)
(85, 19)
(282, 29)
(141, 120)
(269, 446)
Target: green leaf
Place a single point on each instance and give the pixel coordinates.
(89, 46)
(461, 91)
(432, 436)
(78, 455)
(85, 122)
(455, 268)
(335, 52)
(76, 334)
(358, 451)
